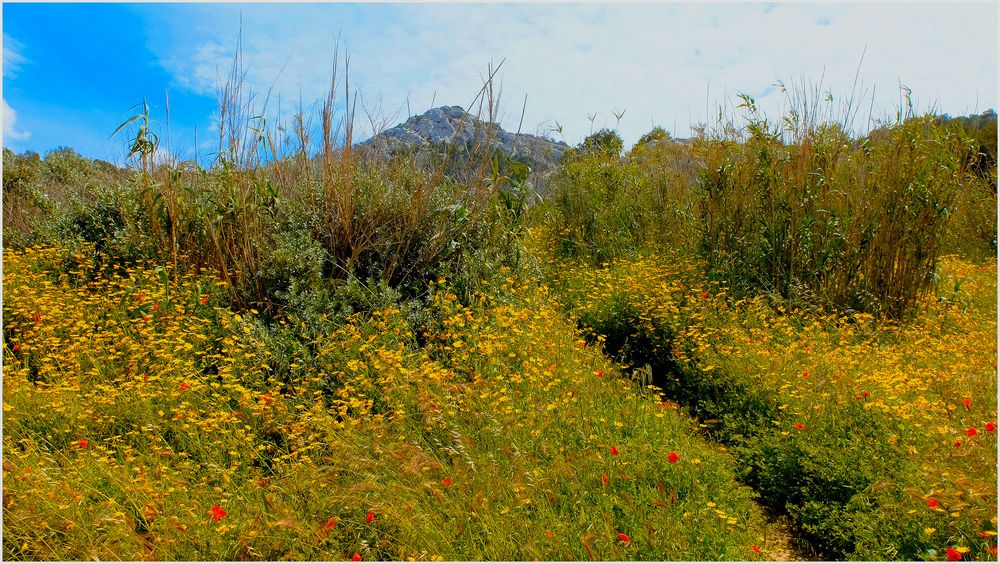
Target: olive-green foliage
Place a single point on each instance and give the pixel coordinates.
(286, 235)
(655, 134)
(828, 220)
(972, 230)
(604, 142)
(68, 199)
(605, 207)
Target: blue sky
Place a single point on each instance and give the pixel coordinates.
(71, 71)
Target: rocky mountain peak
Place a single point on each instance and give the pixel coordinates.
(438, 127)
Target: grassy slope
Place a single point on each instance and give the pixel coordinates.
(133, 405)
(852, 426)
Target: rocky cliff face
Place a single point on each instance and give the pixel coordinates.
(433, 131)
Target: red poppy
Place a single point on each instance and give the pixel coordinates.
(146, 318)
(330, 525)
(755, 548)
(704, 295)
(953, 554)
(799, 426)
(614, 451)
(369, 518)
(18, 347)
(549, 534)
(865, 393)
(38, 318)
(972, 431)
(967, 402)
(805, 374)
(184, 386)
(958, 444)
(604, 478)
(990, 427)
(156, 307)
(600, 374)
(446, 481)
(356, 557)
(140, 297)
(267, 398)
(673, 457)
(83, 443)
(218, 513)
(204, 300)
(932, 503)
(624, 538)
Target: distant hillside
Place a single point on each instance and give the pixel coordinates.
(428, 135)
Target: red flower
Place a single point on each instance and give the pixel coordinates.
(614, 450)
(932, 503)
(369, 518)
(624, 538)
(549, 534)
(704, 295)
(204, 299)
(330, 525)
(140, 297)
(865, 393)
(446, 481)
(958, 444)
(990, 427)
(83, 443)
(799, 426)
(604, 478)
(972, 431)
(218, 513)
(755, 548)
(673, 457)
(146, 318)
(156, 307)
(356, 557)
(18, 347)
(267, 398)
(600, 374)
(967, 402)
(184, 386)
(38, 318)
(953, 554)
(805, 374)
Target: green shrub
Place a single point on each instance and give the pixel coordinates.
(655, 134)
(605, 142)
(827, 220)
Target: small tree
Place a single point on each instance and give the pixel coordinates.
(655, 134)
(604, 142)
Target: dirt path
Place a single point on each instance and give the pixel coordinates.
(780, 544)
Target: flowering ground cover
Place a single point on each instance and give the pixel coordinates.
(877, 438)
(143, 420)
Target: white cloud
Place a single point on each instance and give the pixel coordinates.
(660, 62)
(13, 57)
(10, 132)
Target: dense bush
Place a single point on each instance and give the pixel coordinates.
(605, 207)
(827, 220)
